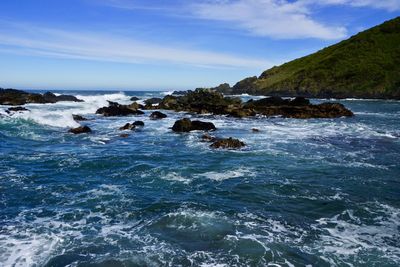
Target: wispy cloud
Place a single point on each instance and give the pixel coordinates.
(273, 18)
(23, 38)
(278, 19)
(388, 5)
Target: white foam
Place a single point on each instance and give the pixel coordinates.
(221, 176)
(60, 114)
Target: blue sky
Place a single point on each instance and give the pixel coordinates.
(170, 44)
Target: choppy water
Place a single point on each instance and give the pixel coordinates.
(320, 192)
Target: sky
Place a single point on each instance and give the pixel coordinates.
(168, 44)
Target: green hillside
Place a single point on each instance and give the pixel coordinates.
(366, 66)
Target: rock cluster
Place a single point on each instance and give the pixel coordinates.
(115, 109)
(15, 97)
(204, 101)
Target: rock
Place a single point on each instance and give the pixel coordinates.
(128, 126)
(180, 92)
(186, 125)
(17, 97)
(124, 135)
(16, 109)
(255, 130)
(153, 101)
(135, 106)
(201, 101)
(300, 101)
(115, 109)
(134, 98)
(138, 123)
(229, 143)
(78, 118)
(156, 115)
(299, 108)
(80, 130)
(208, 138)
(52, 98)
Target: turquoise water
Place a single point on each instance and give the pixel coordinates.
(318, 192)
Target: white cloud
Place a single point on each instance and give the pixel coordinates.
(273, 18)
(22, 38)
(388, 5)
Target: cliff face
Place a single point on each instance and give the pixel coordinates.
(365, 66)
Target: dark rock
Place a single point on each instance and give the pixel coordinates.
(52, 98)
(138, 123)
(16, 109)
(229, 143)
(128, 126)
(208, 138)
(80, 130)
(204, 101)
(186, 125)
(153, 101)
(156, 115)
(124, 135)
(134, 98)
(18, 97)
(300, 101)
(78, 118)
(255, 130)
(115, 109)
(180, 92)
(299, 108)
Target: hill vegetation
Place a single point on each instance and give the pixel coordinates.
(365, 66)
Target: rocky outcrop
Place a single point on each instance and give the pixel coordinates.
(52, 98)
(15, 97)
(80, 130)
(157, 115)
(228, 143)
(204, 101)
(186, 125)
(115, 109)
(78, 117)
(299, 108)
(134, 98)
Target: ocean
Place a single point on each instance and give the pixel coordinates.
(315, 192)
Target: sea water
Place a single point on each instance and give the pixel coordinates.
(316, 192)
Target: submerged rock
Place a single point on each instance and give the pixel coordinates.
(228, 143)
(78, 117)
(124, 135)
(80, 130)
(208, 138)
(18, 97)
(128, 126)
(115, 109)
(16, 109)
(134, 98)
(186, 125)
(156, 115)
